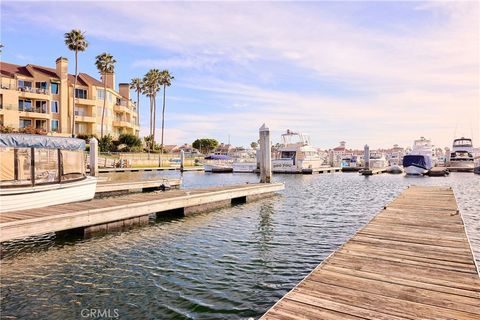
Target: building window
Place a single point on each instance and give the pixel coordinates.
(24, 85)
(54, 126)
(54, 88)
(81, 93)
(41, 87)
(81, 128)
(54, 106)
(41, 106)
(110, 97)
(100, 94)
(41, 124)
(24, 105)
(25, 123)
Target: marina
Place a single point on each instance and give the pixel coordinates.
(412, 260)
(239, 160)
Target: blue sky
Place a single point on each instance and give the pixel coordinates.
(365, 72)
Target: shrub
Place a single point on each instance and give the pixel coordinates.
(130, 141)
(86, 137)
(6, 129)
(105, 144)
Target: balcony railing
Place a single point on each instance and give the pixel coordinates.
(7, 86)
(33, 109)
(34, 90)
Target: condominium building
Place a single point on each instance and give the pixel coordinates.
(42, 97)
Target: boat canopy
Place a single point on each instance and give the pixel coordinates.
(217, 157)
(18, 140)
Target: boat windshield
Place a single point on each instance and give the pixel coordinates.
(295, 138)
(462, 143)
(32, 166)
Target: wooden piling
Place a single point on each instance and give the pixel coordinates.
(93, 157)
(266, 155)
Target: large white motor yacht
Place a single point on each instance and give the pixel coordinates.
(296, 155)
(461, 156)
(420, 160)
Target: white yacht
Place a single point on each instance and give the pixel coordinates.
(420, 160)
(296, 155)
(461, 156)
(377, 161)
(218, 163)
(39, 171)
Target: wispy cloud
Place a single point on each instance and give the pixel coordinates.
(409, 71)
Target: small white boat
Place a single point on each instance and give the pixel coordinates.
(395, 169)
(419, 160)
(297, 155)
(39, 171)
(244, 166)
(217, 163)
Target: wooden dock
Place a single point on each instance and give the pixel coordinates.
(142, 169)
(112, 213)
(412, 261)
(146, 185)
(371, 172)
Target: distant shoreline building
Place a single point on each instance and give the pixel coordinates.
(42, 98)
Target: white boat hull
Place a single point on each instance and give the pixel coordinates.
(22, 198)
(244, 167)
(414, 170)
(287, 166)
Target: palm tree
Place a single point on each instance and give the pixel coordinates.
(75, 41)
(165, 80)
(137, 84)
(105, 64)
(151, 87)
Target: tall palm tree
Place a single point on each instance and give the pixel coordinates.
(151, 87)
(105, 63)
(136, 84)
(166, 81)
(75, 41)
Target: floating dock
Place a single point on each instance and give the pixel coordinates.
(412, 261)
(139, 169)
(147, 185)
(115, 213)
(371, 172)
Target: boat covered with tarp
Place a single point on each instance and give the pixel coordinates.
(38, 171)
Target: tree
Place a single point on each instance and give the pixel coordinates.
(105, 144)
(1, 48)
(105, 64)
(136, 84)
(75, 41)
(166, 81)
(151, 85)
(254, 145)
(205, 145)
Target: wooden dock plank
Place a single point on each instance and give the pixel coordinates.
(24, 223)
(412, 261)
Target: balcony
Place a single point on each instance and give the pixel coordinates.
(87, 102)
(122, 123)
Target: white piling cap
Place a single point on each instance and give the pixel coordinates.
(264, 128)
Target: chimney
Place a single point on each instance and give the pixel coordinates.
(62, 68)
(109, 80)
(124, 90)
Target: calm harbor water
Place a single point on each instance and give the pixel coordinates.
(232, 263)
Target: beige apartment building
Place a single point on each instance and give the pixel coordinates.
(42, 97)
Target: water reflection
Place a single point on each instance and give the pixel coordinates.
(231, 263)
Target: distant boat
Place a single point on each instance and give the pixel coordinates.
(218, 163)
(377, 161)
(461, 156)
(297, 155)
(39, 171)
(396, 169)
(476, 162)
(419, 160)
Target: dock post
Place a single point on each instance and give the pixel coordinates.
(94, 157)
(182, 160)
(265, 155)
(366, 157)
